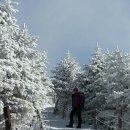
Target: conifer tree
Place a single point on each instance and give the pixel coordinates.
(63, 79)
(24, 83)
(64, 74)
(115, 79)
(89, 79)
(115, 72)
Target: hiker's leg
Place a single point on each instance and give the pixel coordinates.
(73, 112)
(79, 118)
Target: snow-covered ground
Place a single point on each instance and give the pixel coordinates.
(55, 122)
(50, 121)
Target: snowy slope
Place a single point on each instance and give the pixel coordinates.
(55, 122)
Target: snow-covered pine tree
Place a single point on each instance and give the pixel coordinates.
(64, 74)
(63, 79)
(124, 95)
(32, 68)
(23, 80)
(115, 80)
(42, 82)
(7, 48)
(115, 72)
(126, 91)
(90, 81)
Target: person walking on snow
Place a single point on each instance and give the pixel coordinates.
(77, 104)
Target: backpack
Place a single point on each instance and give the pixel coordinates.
(82, 99)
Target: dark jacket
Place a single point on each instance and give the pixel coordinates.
(76, 100)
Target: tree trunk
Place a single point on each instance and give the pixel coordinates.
(64, 109)
(7, 118)
(55, 109)
(119, 119)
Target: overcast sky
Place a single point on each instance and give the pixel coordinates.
(76, 25)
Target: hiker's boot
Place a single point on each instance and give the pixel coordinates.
(79, 126)
(69, 126)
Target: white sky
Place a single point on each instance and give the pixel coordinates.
(77, 25)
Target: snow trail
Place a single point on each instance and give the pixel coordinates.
(55, 122)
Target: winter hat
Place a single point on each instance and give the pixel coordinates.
(75, 89)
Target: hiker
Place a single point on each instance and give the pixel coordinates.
(77, 104)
